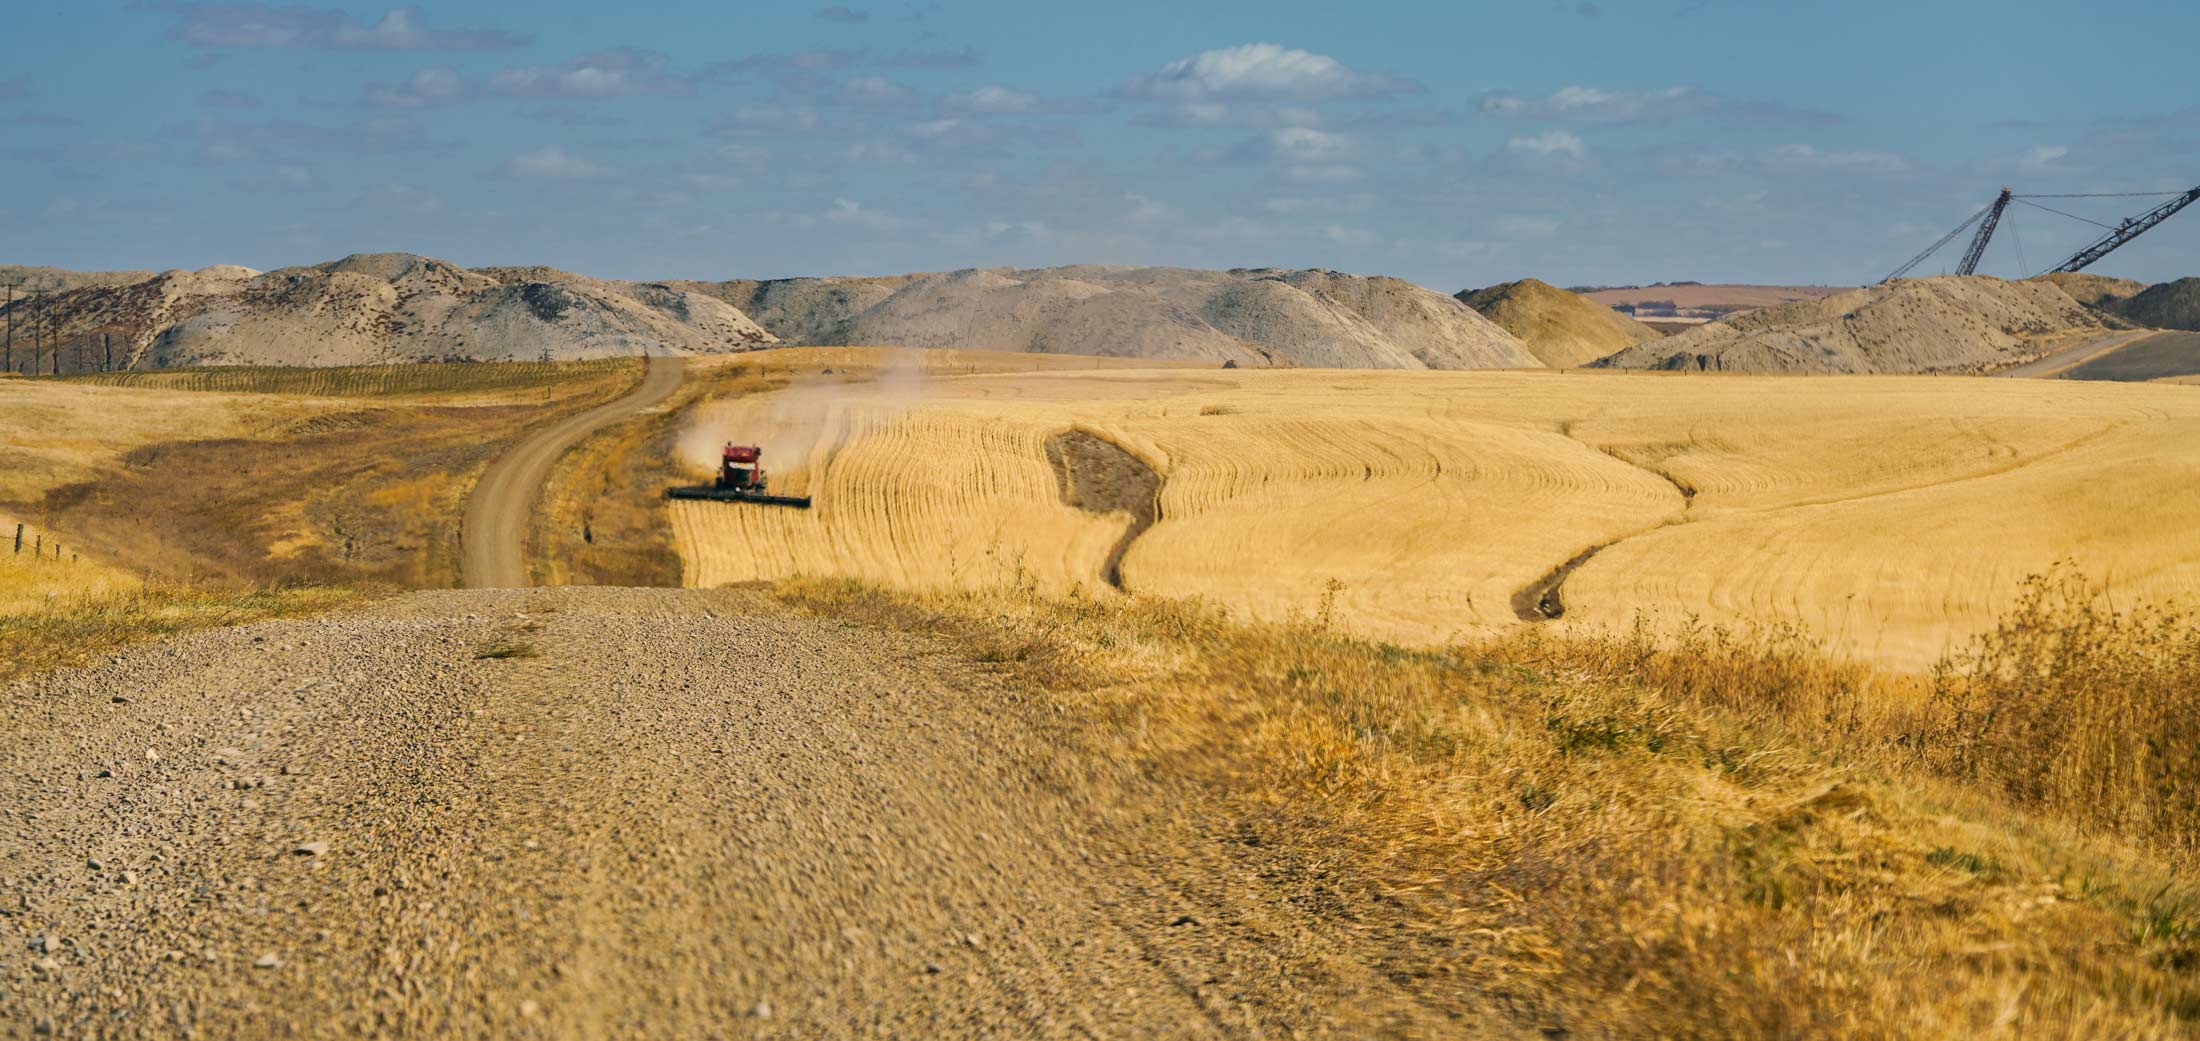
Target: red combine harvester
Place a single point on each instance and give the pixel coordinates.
(740, 479)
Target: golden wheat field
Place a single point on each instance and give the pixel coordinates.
(1893, 516)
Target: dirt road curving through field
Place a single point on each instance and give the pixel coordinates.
(591, 813)
(492, 541)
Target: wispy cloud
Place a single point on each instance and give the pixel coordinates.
(830, 60)
(1597, 105)
(992, 100)
(428, 88)
(1558, 143)
(2041, 157)
(843, 15)
(618, 72)
(552, 163)
(269, 27)
(232, 99)
(1808, 157)
(1259, 71)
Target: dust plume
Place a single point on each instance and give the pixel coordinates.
(801, 426)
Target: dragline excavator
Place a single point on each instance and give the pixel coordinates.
(1990, 218)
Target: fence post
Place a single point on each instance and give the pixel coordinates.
(19, 540)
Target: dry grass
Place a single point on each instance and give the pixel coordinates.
(74, 629)
(1894, 516)
(277, 486)
(1544, 832)
(2076, 708)
(511, 381)
(604, 519)
(45, 569)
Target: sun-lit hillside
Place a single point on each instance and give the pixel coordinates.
(1891, 514)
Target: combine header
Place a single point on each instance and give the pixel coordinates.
(740, 479)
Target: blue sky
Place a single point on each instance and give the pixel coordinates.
(1454, 144)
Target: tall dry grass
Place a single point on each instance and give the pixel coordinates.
(1719, 835)
(2078, 708)
(69, 631)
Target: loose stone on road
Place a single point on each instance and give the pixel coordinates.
(693, 814)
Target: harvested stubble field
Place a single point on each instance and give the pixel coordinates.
(1894, 516)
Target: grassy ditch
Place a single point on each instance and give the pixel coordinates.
(1717, 836)
(74, 630)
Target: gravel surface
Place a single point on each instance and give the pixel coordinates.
(589, 813)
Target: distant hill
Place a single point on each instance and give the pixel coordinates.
(393, 307)
(1246, 317)
(2171, 305)
(1707, 296)
(1944, 324)
(1562, 329)
(2095, 290)
(53, 279)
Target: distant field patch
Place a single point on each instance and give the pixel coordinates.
(362, 381)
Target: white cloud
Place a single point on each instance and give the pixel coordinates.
(1596, 105)
(1334, 173)
(880, 153)
(1551, 143)
(551, 163)
(993, 100)
(426, 89)
(874, 92)
(1147, 211)
(934, 128)
(1807, 157)
(264, 26)
(2041, 157)
(1260, 71)
(1307, 145)
(620, 72)
(854, 214)
(1353, 237)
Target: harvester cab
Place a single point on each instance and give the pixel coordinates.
(743, 468)
(740, 479)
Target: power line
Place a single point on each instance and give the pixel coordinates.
(2072, 216)
(2102, 195)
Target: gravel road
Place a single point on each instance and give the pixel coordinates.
(594, 813)
(492, 538)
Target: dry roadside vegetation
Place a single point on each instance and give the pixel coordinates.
(196, 498)
(248, 478)
(1724, 835)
